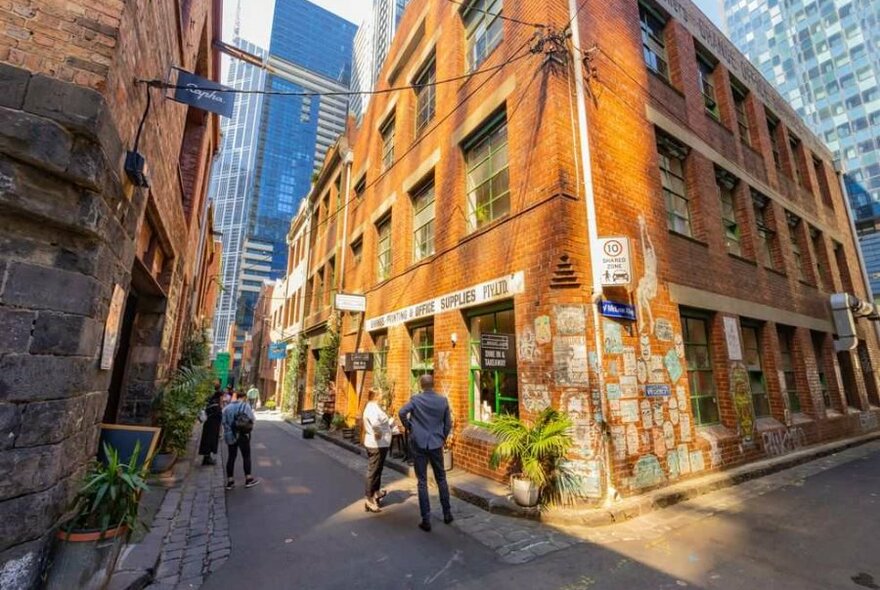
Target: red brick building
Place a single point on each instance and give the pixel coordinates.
(460, 209)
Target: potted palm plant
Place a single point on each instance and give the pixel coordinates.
(105, 514)
(537, 455)
(178, 409)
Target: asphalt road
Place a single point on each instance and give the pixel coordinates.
(305, 527)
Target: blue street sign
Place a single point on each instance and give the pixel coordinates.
(203, 94)
(620, 311)
(656, 390)
(277, 351)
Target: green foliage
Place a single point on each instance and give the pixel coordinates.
(270, 404)
(326, 366)
(110, 494)
(385, 385)
(538, 452)
(196, 349)
(290, 398)
(181, 400)
(309, 432)
(338, 422)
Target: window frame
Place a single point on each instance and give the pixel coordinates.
(384, 256)
(696, 396)
(726, 184)
(764, 234)
(668, 152)
(421, 364)
(707, 85)
(742, 114)
(785, 335)
(489, 132)
(474, 369)
(424, 86)
(654, 41)
(420, 243)
(387, 133)
(481, 21)
(760, 399)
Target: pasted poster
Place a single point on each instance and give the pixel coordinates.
(629, 361)
(570, 364)
(111, 328)
(684, 425)
(613, 337)
(731, 334)
(647, 415)
(647, 472)
(618, 441)
(629, 387)
(663, 330)
(629, 410)
(632, 439)
(612, 390)
(673, 365)
(536, 397)
(656, 370)
(571, 320)
(542, 329)
(590, 474)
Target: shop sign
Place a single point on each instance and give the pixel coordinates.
(350, 302)
(614, 262)
(497, 352)
(500, 288)
(620, 311)
(657, 390)
(221, 367)
(358, 361)
(307, 417)
(203, 94)
(277, 351)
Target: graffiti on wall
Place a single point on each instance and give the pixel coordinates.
(647, 472)
(629, 388)
(542, 329)
(613, 337)
(646, 290)
(741, 391)
(570, 364)
(629, 411)
(535, 397)
(629, 361)
(590, 474)
(571, 320)
(780, 442)
(443, 361)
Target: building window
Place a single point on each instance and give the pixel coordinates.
(425, 95)
(706, 68)
(742, 115)
(380, 352)
(794, 228)
(360, 187)
(357, 251)
(319, 289)
(423, 221)
(491, 392)
(824, 189)
(387, 133)
(787, 355)
(795, 145)
(483, 30)
(819, 351)
(422, 361)
(766, 237)
(383, 248)
(671, 155)
(752, 356)
(488, 182)
(331, 278)
(704, 400)
(819, 256)
(840, 259)
(653, 41)
(773, 129)
(726, 183)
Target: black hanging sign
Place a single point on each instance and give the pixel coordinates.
(497, 352)
(359, 361)
(203, 94)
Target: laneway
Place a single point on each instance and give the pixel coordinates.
(304, 527)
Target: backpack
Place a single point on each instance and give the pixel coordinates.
(242, 424)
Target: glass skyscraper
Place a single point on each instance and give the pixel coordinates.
(824, 58)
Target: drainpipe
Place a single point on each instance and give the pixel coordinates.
(347, 160)
(593, 236)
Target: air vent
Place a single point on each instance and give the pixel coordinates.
(564, 275)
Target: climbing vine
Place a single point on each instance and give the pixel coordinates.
(290, 393)
(326, 366)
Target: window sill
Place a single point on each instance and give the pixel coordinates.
(775, 271)
(800, 418)
(808, 284)
(666, 82)
(742, 259)
(717, 122)
(477, 432)
(421, 261)
(672, 232)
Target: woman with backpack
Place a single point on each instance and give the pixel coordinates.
(238, 423)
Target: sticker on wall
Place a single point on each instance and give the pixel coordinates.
(669, 435)
(741, 392)
(632, 439)
(629, 387)
(672, 465)
(542, 329)
(614, 407)
(574, 402)
(731, 335)
(535, 396)
(613, 337)
(681, 394)
(582, 435)
(673, 366)
(593, 359)
(571, 320)
(647, 472)
(657, 408)
(642, 371)
(659, 442)
(673, 413)
(570, 360)
(645, 347)
(663, 330)
(618, 441)
(679, 345)
(612, 369)
(590, 474)
(629, 410)
(629, 361)
(526, 346)
(656, 371)
(697, 462)
(646, 290)
(684, 426)
(613, 391)
(647, 419)
(684, 459)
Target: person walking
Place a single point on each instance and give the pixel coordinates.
(238, 424)
(253, 396)
(429, 420)
(210, 440)
(377, 439)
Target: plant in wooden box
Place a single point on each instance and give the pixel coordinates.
(537, 455)
(105, 514)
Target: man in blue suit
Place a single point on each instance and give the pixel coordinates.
(429, 421)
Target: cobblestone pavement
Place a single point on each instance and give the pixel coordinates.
(517, 541)
(198, 541)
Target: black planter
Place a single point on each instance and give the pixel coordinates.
(162, 462)
(309, 433)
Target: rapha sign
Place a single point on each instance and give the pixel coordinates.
(203, 94)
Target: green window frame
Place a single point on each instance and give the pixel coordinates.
(654, 41)
(786, 353)
(498, 389)
(678, 207)
(751, 334)
(706, 70)
(383, 248)
(387, 134)
(423, 221)
(422, 356)
(425, 95)
(488, 179)
(701, 379)
(380, 352)
(726, 183)
(484, 30)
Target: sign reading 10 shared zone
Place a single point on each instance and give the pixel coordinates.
(614, 262)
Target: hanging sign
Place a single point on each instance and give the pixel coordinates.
(620, 311)
(497, 352)
(614, 262)
(277, 350)
(350, 302)
(358, 361)
(111, 328)
(203, 94)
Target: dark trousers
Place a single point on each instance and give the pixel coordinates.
(376, 461)
(421, 458)
(243, 444)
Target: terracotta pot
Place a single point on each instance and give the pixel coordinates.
(83, 559)
(525, 493)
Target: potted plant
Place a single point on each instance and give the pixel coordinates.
(348, 428)
(337, 422)
(537, 454)
(179, 404)
(309, 432)
(270, 405)
(105, 514)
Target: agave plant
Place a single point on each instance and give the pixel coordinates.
(538, 452)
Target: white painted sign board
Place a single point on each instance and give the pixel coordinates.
(614, 262)
(350, 302)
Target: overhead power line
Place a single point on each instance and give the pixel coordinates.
(499, 15)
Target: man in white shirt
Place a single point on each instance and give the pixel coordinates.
(377, 439)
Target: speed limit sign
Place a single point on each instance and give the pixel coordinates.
(614, 261)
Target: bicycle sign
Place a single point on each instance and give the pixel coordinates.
(614, 262)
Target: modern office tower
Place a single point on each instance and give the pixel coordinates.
(371, 48)
(232, 183)
(824, 58)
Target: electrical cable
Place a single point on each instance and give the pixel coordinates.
(499, 15)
